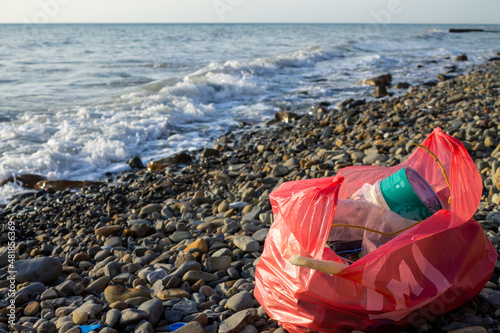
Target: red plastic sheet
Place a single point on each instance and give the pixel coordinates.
(425, 271)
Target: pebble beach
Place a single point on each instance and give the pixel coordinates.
(177, 240)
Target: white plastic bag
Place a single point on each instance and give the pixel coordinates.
(365, 219)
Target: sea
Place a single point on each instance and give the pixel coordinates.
(77, 101)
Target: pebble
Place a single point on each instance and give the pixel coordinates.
(108, 230)
(192, 327)
(186, 307)
(113, 317)
(44, 270)
(179, 236)
(33, 289)
(260, 235)
(46, 327)
(132, 316)
(373, 158)
(200, 244)
(156, 275)
(150, 209)
(238, 321)
(82, 256)
(249, 329)
(154, 308)
(240, 301)
(80, 317)
(214, 264)
(491, 296)
(48, 294)
(172, 293)
(144, 327)
(246, 243)
(117, 293)
(185, 267)
(32, 309)
(193, 276)
(173, 316)
(470, 329)
(98, 285)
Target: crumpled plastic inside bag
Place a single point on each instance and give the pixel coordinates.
(365, 215)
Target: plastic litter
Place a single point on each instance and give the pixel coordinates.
(422, 272)
(405, 192)
(176, 326)
(367, 216)
(89, 328)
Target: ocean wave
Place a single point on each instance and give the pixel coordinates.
(203, 94)
(433, 33)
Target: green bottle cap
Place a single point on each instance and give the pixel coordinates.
(408, 194)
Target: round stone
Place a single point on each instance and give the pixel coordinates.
(80, 317)
(32, 309)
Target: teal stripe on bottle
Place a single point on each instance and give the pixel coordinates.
(402, 199)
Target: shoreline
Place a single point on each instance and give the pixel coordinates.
(176, 236)
(398, 89)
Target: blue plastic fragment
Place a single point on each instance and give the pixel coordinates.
(175, 326)
(89, 328)
(349, 251)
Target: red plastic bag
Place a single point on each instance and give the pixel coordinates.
(425, 271)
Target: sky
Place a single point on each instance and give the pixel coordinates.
(250, 11)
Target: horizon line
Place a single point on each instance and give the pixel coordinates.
(212, 22)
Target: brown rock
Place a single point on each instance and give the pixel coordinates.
(223, 206)
(172, 293)
(489, 141)
(208, 152)
(200, 244)
(32, 309)
(82, 256)
(80, 317)
(402, 85)
(181, 158)
(380, 91)
(496, 150)
(496, 178)
(27, 181)
(59, 185)
(381, 80)
(286, 116)
(108, 230)
(155, 165)
(136, 301)
(120, 305)
(113, 241)
(128, 232)
(117, 293)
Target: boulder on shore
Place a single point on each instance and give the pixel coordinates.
(378, 81)
(44, 270)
